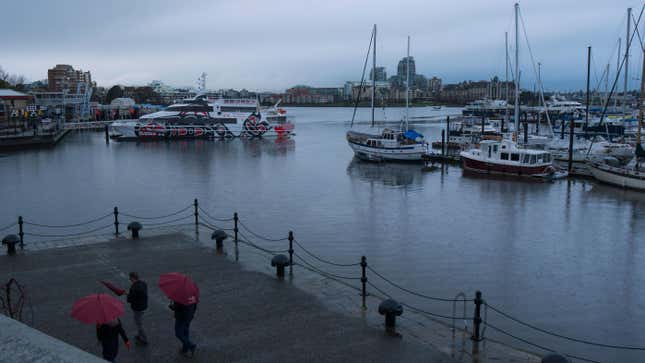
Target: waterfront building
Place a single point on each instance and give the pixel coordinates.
(469, 91)
(401, 69)
(352, 90)
(65, 77)
(434, 86)
(12, 102)
(381, 74)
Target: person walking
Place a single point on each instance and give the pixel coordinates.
(183, 317)
(138, 299)
(108, 335)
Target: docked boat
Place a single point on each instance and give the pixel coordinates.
(386, 144)
(504, 157)
(631, 176)
(201, 117)
(485, 107)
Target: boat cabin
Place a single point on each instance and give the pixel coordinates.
(507, 151)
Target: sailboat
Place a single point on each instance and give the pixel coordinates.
(631, 175)
(388, 144)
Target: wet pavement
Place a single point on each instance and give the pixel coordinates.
(243, 315)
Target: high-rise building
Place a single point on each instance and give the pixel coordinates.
(381, 74)
(402, 68)
(64, 77)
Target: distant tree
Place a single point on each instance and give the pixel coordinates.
(13, 81)
(114, 92)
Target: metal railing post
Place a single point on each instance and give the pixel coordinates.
(196, 204)
(477, 318)
(116, 221)
(290, 252)
(235, 230)
(21, 233)
(364, 281)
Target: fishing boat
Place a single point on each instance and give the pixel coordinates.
(504, 157)
(201, 117)
(387, 144)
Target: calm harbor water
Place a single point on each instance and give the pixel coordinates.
(566, 256)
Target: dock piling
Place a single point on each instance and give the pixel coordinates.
(107, 135)
(443, 142)
(235, 230)
(196, 206)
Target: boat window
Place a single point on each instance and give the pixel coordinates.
(533, 159)
(494, 148)
(503, 146)
(515, 157)
(224, 120)
(504, 156)
(489, 151)
(547, 158)
(237, 109)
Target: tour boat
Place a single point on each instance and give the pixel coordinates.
(485, 107)
(504, 157)
(387, 144)
(201, 117)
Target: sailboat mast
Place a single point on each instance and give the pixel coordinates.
(641, 97)
(506, 80)
(407, 85)
(373, 74)
(620, 43)
(588, 74)
(517, 73)
(627, 45)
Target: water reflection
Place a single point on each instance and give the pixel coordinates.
(388, 174)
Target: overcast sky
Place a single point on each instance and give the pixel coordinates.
(272, 45)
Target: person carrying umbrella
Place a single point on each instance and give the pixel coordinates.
(184, 294)
(104, 311)
(138, 299)
(108, 335)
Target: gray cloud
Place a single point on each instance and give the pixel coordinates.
(275, 44)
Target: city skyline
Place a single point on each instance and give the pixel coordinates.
(135, 44)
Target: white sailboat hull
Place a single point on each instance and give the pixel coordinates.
(405, 153)
(618, 176)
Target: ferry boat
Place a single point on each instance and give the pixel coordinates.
(485, 107)
(504, 157)
(201, 117)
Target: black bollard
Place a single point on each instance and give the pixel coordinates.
(477, 320)
(219, 236)
(21, 233)
(134, 227)
(116, 221)
(364, 280)
(280, 262)
(290, 252)
(11, 241)
(391, 309)
(107, 135)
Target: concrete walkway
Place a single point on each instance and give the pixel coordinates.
(243, 316)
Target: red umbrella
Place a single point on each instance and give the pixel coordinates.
(97, 309)
(115, 289)
(179, 287)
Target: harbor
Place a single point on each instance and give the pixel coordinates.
(561, 237)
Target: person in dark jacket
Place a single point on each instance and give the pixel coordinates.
(108, 335)
(183, 317)
(138, 299)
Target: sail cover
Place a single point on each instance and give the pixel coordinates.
(412, 135)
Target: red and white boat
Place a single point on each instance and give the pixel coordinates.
(505, 158)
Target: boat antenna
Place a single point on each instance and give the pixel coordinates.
(517, 78)
(407, 86)
(373, 74)
(360, 90)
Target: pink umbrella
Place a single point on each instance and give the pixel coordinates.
(179, 287)
(115, 289)
(97, 309)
